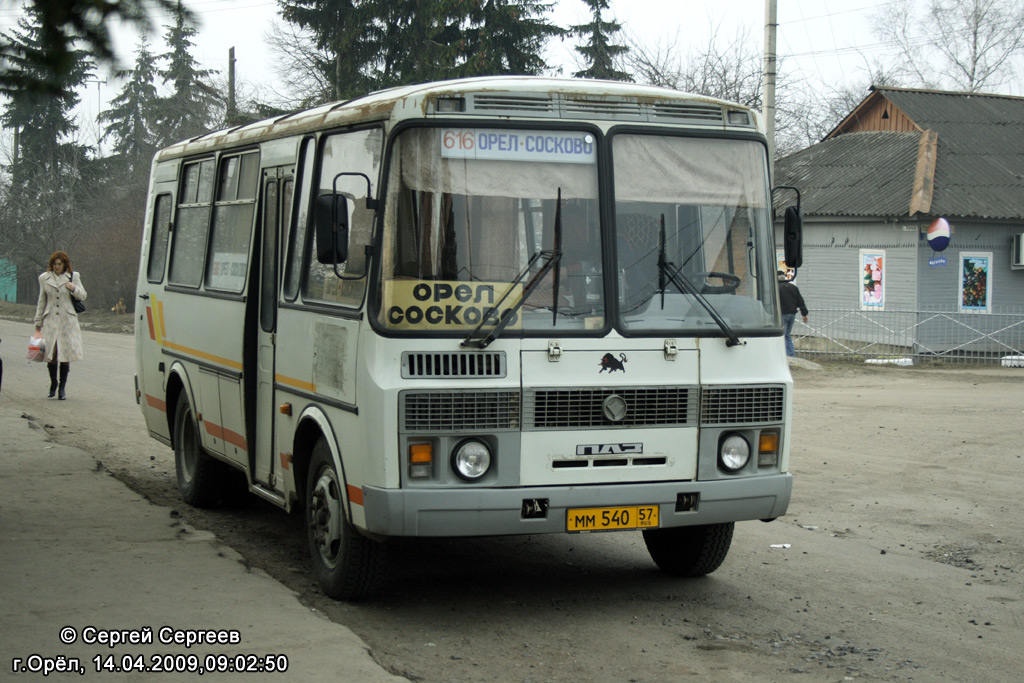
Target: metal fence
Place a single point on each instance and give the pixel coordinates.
(905, 337)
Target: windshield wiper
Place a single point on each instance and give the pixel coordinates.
(670, 272)
(551, 258)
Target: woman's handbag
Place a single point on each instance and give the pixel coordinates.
(36, 348)
(79, 305)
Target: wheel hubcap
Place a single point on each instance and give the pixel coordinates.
(325, 517)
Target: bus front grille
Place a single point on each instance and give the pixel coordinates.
(741, 405)
(453, 364)
(457, 411)
(584, 408)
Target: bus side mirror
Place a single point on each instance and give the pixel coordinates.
(793, 238)
(331, 216)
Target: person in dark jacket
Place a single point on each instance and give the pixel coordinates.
(792, 301)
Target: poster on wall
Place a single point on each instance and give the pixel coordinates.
(872, 280)
(975, 282)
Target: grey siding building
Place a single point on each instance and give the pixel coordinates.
(902, 166)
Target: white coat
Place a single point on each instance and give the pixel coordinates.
(56, 315)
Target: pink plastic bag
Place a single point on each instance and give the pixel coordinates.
(36, 348)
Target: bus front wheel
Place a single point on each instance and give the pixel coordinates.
(347, 565)
(689, 550)
(200, 477)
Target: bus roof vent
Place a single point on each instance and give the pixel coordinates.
(696, 112)
(605, 108)
(453, 364)
(499, 103)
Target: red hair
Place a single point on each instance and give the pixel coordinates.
(63, 257)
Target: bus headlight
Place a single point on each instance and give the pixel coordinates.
(471, 459)
(734, 453)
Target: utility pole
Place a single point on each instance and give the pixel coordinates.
(231, 114)
(99, 112)
(770, 25)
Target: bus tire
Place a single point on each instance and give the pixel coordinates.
(200, 477)
(346, 564)
(689, 550)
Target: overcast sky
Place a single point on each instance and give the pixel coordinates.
(824, 41)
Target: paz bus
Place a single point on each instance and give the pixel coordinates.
(507, 305)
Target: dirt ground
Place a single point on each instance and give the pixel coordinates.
(901, 558)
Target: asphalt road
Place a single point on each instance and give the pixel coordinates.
(901, 558)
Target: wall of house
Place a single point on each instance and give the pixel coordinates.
(921, 312)
(940, 285)
(942, 325)
(832, 270)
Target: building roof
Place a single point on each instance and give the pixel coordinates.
(977, 169)
(857, 174)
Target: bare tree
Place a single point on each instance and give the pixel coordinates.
(729, 70)
(968, 45)
(811, 110)
(303, 70)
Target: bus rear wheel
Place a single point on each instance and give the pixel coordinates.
(689, 550)
(200, 478)
(347, 565)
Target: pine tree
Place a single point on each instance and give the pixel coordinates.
(412, 41)
(508, 37)
(42, 121)
(338, 27)
(192, 107)
(383, 43)
(132, 115)
(67, 26)
(40, 211)
(599, 54)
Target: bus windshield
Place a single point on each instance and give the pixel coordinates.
(467, 210)
(698, 207)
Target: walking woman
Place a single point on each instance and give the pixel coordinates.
(57, 320)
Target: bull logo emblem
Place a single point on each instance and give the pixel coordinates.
(611, 365)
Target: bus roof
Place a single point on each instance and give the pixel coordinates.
(519, 96)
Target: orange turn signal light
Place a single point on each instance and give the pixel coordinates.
(421, 453)
(768, 443)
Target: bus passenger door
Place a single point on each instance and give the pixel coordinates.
(277, 194)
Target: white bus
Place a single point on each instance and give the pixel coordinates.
(489, 306)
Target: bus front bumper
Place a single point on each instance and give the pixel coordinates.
(495, 512)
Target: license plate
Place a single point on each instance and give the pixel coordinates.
(608, 519)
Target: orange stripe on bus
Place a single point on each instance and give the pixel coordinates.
(297, 383)
(163, 329)
(286, 461)
(216, 431)
(149, 317)
(226, 435)
(205, 356)
(154, 402)
(355, 494)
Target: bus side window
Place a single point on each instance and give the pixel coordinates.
(232, 222)
(354, 152)
(297, 241)
(192, 224)
(160, 230)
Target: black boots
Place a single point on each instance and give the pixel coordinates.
(52, 367)
(64, 367)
